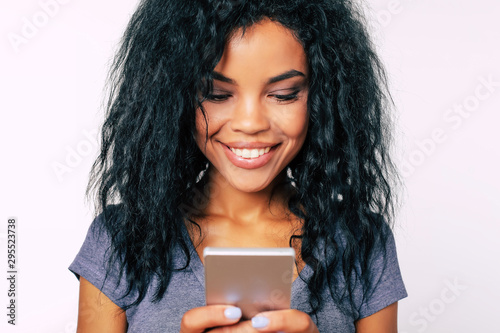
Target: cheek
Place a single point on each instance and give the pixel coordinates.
(200, 128)
(209, 127)
(295, 124)
(299, 128)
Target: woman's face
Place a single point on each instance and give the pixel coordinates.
(257, 113)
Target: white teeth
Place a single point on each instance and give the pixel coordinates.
(254, 153)
(251, 153)
(246, 153)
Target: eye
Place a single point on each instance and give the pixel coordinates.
(217, 97)
(286, 98)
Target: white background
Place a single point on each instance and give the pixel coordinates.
(438, 55)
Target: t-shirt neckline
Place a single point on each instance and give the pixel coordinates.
(198, 268)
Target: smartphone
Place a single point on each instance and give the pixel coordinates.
(253, 279)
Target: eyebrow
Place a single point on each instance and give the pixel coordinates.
(274, 79)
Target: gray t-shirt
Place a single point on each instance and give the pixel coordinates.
(186, 289)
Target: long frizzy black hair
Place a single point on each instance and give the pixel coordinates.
(150, 165)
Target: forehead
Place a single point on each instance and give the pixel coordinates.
(264, 50)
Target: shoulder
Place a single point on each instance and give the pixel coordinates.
(106, 223)
(110, 215)
(371, 232)
(93, 261)
(385, 285)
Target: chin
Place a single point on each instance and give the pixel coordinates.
(250, 187)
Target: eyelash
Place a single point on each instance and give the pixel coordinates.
(217, 98)
(287, 98)
(281, 98)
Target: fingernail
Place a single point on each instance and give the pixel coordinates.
(260, 322)
(232, 313)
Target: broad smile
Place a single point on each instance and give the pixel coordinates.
(250, 153)
(249, 158)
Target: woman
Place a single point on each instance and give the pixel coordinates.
(242, 124)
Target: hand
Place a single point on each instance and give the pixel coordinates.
(289, 321)
(200, 319)
(281, 321)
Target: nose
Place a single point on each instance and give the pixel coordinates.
(250, 116)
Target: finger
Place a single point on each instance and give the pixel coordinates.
(289, 321)
(198, 319)
(241, 327)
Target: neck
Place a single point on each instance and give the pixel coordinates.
(244, 207)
